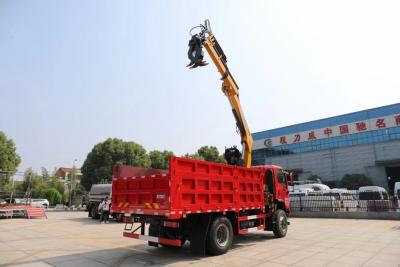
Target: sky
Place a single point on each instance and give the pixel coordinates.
(74, 73)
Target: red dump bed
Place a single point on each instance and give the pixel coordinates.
(189, 186)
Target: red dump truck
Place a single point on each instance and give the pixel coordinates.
(202, 202)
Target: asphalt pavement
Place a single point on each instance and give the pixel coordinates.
(72, 239)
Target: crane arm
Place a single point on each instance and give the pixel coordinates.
(229, 87)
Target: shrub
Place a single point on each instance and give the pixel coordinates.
(355, 181)
(52, 195)
(315, 178)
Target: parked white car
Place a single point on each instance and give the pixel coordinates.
(372, 193)
(34, 202)
(315, 187)
(374, 198)
(396, 191)
(40, 202)
(313, 202)
(300, 192)
(345, 200)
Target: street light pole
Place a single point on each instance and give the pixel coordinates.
(70, 183)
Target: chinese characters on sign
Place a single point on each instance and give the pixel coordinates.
(333, 131)
(380, 123)
(283, 140)
(328, 132)
(311, 135)
(397, 118)
(344, 129)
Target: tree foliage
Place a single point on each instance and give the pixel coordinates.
(355, 181)
(52, 195)
(159, 159)
(193, 156)
(99, 162)
(35, 182)
(315, 178)
(207, 153)
(9, 159)
(44, 186)
(333, 184)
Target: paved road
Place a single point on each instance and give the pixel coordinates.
(71, 239)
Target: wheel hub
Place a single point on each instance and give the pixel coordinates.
(222, 235)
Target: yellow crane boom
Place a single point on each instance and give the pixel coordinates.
(229, 87)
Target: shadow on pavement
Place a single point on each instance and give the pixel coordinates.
(125, 256)
(139, 255)
(251, 239)
(88, 220)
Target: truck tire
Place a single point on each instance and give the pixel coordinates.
(220, 236)
(280, 224)
(119, 217)
(93, 213)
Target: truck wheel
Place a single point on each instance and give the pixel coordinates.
(93, 213)
(280, 224)
(153, 231)
(119, 217)
(220, 236)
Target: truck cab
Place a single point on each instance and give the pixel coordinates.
(276, 197)
(277, 186)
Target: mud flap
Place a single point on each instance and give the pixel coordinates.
(198, 236)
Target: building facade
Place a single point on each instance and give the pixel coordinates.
(365, 142)
(64, 174)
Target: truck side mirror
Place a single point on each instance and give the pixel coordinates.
(290, 178)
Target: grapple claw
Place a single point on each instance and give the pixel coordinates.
(195, 53)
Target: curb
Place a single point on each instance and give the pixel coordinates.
(348, 215)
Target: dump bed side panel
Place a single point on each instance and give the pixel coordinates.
(190, 186)
(135, 190)
(200, 186)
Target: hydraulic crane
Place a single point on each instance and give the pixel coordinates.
(205, 38)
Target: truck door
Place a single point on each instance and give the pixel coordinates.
(269, 190)
(269, 183)
(281, 185)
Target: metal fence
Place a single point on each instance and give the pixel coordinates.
(341, 203)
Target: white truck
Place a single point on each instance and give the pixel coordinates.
(97, 193)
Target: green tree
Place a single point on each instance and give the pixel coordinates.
(65, 199)
(315, 178)
(207, 153)
(9, 159)
(52, 195)
(210, 153)
(56, 183)
(35, 182)
(99, 162)
(45, 174)
(333, 184)
(193, 156)
(159, 159)
(355, 181)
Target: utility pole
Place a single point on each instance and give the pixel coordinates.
(70, 182)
